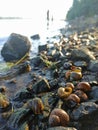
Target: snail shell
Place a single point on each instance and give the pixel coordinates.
(37, 105)
(4, 103)
(58, 117)
(76, 69)
(69, 84)
(64, 92)
(82, 95)
(72, 100)
(84, 86)
(75, 75)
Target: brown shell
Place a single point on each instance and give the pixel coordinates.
(82, 95)
(61, 114)
(74, 98)
(84, 86)
(37, 106)
(54, 120)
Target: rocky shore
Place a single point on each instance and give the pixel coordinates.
(56, 90)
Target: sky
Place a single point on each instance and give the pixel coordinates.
(34, 8)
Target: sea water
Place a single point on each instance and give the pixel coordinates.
(29, 27)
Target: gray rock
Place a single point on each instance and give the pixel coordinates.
(82, 54)
(61, 128)
(22, 94)
(40, 86)
(18, 118)
(35, 37)
(93, 66)
(43, 48)
(15, 47)
(94, 93)
(83, 110)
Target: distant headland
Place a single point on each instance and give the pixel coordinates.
(10, 17)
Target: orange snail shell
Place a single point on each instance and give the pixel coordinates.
(58, 117)
(84, 86)
(64, 92)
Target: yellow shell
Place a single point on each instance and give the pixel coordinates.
(64, 92)
(3, 101)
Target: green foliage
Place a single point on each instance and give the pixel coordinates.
(82, 8)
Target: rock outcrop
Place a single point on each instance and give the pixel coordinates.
(15, 47)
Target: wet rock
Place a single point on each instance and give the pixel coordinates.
(41, 86)
(43, 48)
(82, 54)
(36, 61)
(22, 95)
(91, 78)
(35, 37)
(61, 128)
(85, 109)
(18, 118)
(89, 122)
(24, 127)
(93, 66)
(53, 84)
(15, 47)
(16, 70)
(81, 64)
(94, 93)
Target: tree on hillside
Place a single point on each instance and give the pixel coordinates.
(82, 8)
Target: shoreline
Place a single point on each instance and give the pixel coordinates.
(65, 59)
(73, 59)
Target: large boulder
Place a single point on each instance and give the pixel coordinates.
(15, 47)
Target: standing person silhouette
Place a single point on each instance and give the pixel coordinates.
(48, 19)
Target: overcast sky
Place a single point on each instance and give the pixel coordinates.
(31, 8)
